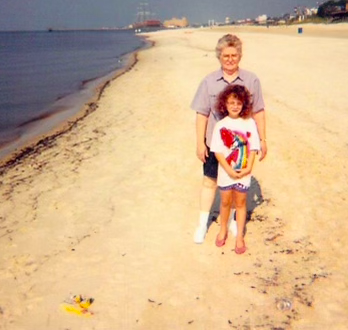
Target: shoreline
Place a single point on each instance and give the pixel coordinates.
(46, 139)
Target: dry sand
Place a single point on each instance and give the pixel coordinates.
(109, 208)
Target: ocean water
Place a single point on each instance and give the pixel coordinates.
(46, 77)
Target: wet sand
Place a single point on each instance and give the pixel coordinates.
(108, 209)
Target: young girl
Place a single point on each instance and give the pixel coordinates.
(235, 143)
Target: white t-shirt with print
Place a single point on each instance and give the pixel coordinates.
(234, 138)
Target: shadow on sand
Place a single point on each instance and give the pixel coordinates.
(254, 199)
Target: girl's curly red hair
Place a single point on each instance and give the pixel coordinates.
(239, 92)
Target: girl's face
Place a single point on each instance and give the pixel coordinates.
(234, 106)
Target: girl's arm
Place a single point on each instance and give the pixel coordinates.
(250, 164)
(227, 167)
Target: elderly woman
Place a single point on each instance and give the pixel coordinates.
(229, 53)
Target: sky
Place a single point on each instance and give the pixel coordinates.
(81, 14)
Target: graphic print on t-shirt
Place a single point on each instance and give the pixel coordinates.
(237, 143)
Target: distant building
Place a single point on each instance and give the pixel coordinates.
(262, 19)
(227, 20)
(145, 18)
(314, 11)
(176, 23)
(247, 21)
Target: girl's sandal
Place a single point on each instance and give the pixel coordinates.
(222, 242)
(240, 250)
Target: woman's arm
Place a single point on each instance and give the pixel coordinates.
(201, 127)
(260, 120)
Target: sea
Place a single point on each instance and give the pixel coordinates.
(46, 77)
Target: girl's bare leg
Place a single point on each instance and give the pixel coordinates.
(225, 209)
(241, 208)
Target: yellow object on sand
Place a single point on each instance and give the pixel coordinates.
(86, 303)
(76, 310)
(78, 304)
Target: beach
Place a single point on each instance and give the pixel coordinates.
(108, 208)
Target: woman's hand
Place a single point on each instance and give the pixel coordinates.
(202, 152)
(263, 151)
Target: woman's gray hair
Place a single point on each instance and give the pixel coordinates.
(228, 40)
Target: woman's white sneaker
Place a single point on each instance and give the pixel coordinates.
(199, 235)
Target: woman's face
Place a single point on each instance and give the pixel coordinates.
(229, 59)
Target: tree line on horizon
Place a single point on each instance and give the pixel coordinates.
(326, 9)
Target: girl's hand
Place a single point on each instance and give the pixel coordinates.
(235, 174)
(244, 171)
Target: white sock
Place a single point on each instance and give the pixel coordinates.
(232, 223)
(202, 228)
(203, 218)
(232, 215)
